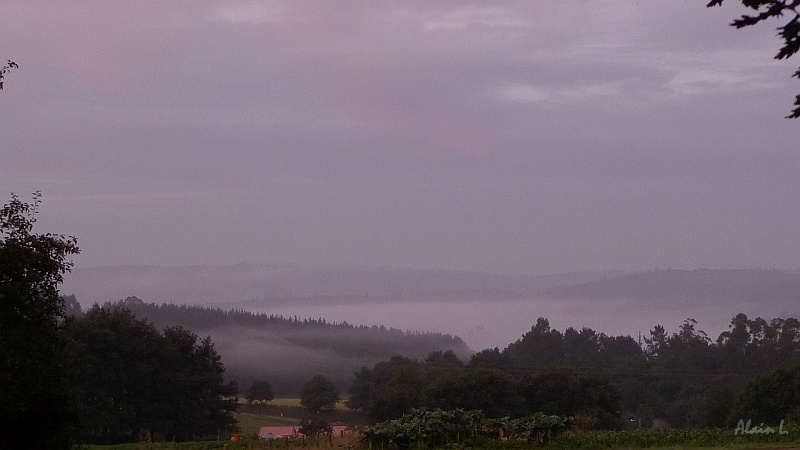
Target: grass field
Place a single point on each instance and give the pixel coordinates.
(295, 402)
(285, 402)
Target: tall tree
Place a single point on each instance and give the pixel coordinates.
(319, 393)
(259, 391)
(115, 359)
(202, 402)
(388, 390)
(657, 341)
(789, 32)
(566, 391)
(34, 406)
(489, 390)
(490, 358)
(72, 308)
(439, 363)
(538, 348)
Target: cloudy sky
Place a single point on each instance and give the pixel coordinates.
(510, 137)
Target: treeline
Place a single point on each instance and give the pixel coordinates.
(287, 350)
(200, 318)
(605, 381)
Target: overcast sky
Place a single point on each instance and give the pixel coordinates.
(511, 137)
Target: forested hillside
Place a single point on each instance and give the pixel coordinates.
(288, 351)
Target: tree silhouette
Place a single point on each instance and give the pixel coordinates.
(259, 391)
(6, 68)
(789, 32)
(33, 395)
(319, 393)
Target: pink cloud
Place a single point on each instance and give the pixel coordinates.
(435, 128)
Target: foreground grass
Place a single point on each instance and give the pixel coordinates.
(672, 438)
(664, 439)
(250, 420)
(277, 445)
(249, 444)
(202, 445)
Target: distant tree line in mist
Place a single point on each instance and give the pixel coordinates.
(199, 317)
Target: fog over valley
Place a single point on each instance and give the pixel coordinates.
(288, 351)
(485, 310)
(497, 323)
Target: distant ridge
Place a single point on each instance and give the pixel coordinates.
(265, 284)
(275, 283)
(729, 285)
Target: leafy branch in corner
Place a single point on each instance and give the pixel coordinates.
(7, 68)
(789, 33)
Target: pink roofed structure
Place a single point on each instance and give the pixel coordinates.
(281, 432)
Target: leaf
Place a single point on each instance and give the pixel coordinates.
(791, 35)
(746, 21)
(795, 112)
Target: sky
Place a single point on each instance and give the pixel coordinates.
(525, 137)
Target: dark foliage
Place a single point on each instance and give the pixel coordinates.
(604, 381)
(388, 390)
(771, 397)
(489, 390)
(319, 393)
(259, 391)
(136, 383)
(35, 410)
(567, 392)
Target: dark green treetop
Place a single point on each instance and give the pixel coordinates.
(319, 393)
(259, 391)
